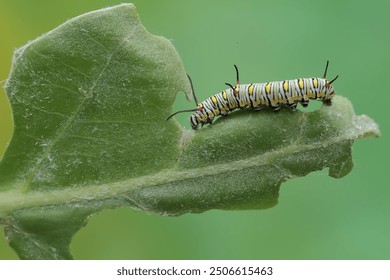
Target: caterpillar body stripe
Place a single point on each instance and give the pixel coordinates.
(259, 95)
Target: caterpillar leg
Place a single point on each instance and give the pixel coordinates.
(209, 120)
(292, 106)
(276, 108)
(258, 108)
(305, 103)
(327, 102)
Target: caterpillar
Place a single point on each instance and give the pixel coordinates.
(259, 95)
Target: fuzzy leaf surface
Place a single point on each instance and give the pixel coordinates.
(90, 100)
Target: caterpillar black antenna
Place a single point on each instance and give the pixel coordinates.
(195, 99)
(237, 80)
(334, 79)
(326, 69)
(230, 85)
(237, 75)
(182, 111)
(193, 91)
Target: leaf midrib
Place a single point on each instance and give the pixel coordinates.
(13, 199)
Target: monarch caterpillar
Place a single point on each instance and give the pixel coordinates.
(259, 95)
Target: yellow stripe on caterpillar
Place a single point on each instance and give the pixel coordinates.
(268, 88)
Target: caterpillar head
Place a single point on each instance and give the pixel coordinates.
(194, 122)
(328, 89)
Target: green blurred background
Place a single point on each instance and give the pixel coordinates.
(317, 217)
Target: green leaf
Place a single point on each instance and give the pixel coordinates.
(45, 232)
(90, 100)
(82, 97)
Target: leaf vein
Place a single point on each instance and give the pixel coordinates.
(30, 176)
